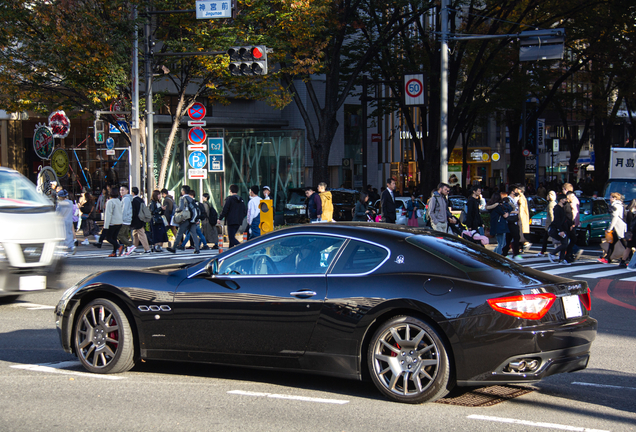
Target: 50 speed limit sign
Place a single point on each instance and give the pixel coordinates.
(414, 90)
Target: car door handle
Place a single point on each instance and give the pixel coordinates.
(303, 293)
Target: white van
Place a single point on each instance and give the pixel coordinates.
(30, 232)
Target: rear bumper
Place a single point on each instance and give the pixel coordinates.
(552, 349)
(17, 280)
(550, 363)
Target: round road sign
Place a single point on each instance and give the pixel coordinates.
(414, 87)
(110, 143)
(197, 159)
(196, 111)
(196, 135)
(526, 152)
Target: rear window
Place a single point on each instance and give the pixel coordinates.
(459, 253)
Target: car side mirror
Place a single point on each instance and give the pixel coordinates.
(212, 268)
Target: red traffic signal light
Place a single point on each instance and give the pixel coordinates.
(248, 60)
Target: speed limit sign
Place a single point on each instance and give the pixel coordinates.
(414, 90)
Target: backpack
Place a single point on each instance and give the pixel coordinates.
(144, 213)
(203, 213)
(193, 205)
(213, 216)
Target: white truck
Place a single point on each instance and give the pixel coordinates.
(622, 174)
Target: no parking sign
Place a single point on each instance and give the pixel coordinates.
(414, 90)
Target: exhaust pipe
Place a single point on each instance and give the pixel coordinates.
(524, 365)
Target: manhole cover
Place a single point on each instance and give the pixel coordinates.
(484, 396)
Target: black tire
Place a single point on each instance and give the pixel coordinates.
(8, 299)
(103, 338)
(587, 238)
(393, 358)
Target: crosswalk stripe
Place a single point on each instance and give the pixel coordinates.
(570, 269)
(605, 273)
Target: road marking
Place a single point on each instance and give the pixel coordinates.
(535, 424)
(604, 273)
(604, 386)
(288, 397)
(571, 269)
(33, 306)
(58, 368)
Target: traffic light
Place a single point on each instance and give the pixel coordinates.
(98, 127)
(267, 216)
(248, 60)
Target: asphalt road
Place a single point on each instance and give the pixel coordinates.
(44, 388)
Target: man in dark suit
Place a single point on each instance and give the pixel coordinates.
(387, 201)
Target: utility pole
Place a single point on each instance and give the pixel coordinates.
(150, 126)
(443, 112)
(135, 150)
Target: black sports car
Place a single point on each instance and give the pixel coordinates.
(416, 311)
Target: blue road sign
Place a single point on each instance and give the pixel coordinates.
(216, 163)
(197, 159)
(110, 143)
(123, 125)
(215, 153)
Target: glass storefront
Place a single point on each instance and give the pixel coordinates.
(262, 158)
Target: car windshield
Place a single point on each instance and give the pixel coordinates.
(627, 188)
(296, 198)
(16, 191)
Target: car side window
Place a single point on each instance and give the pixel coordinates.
(299, 254)
(600, 207)
(359, 257)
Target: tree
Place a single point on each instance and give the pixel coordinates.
(72, 55)
(323, 44)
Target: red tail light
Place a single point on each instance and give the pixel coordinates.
(530, 306)
(586, 299)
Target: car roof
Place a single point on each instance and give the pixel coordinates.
(362, 229)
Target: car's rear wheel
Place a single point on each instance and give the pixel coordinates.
(103, 338)
(408, 362)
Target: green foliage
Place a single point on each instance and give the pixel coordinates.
(63, 54)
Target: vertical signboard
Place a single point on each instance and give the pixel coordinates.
(215, 155)
(414, 90)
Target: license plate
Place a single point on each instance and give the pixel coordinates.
(572, 306)
(32, 283)
(302, 211)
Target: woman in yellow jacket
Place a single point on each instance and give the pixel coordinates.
(327, 203)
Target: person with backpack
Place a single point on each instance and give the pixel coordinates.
(233, 212)
(617, 228)
(203, 244)
(188, 224)
(140, 216)
(209, 224)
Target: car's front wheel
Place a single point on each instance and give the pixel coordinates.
(408, 362)
(103, 338)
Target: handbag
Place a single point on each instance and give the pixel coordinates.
(618, 250)
(609, 236)
(182, 216)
